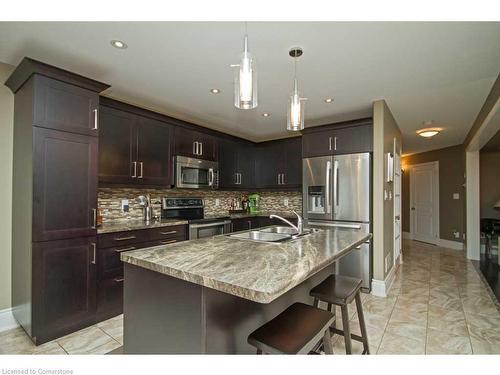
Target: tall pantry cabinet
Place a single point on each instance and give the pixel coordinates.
(54, 199)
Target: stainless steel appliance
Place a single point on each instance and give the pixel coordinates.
(337, 193)
(192, 210)
(196, 173)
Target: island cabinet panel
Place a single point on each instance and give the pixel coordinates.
(237, 164)
(66, 107)
(194, 144)
(342, 138)
(64, 286)
(64, 185)
(134, 150)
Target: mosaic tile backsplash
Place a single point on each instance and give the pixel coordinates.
(109, 201)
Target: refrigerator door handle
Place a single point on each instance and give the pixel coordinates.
(335, 185)
(327, 193)
(335, 225)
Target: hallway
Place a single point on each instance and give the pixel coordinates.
(438, 304)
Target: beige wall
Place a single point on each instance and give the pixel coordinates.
(385, 129)
(489, 170)
(6, 132)
(451, 180)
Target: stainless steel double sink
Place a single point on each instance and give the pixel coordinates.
(274, 234)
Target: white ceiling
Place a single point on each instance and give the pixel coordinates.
(425, 71)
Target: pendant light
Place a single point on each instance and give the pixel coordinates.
(295, 117)
(245, 79)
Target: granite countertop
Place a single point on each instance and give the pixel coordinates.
(260, 272)
(122, 226)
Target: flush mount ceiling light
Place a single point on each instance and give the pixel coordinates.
(119, 44)
(295, 118)
(265, 114)
(245, 79)
(215, 91)
(428, 131)
(328, 100)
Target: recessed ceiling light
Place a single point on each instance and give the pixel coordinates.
(328, 100)
(118, 44)
(215, 91)
(428, 132)
(265, 114)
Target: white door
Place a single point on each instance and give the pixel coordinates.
(424, 202)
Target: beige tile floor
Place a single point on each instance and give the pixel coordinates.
(438, 304)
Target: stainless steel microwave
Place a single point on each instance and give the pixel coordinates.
(194, 173)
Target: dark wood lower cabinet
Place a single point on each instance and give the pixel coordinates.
(64, 287)
(255, 222)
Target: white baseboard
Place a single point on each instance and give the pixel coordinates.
(455, 245)
(7, 320)
(380, 288)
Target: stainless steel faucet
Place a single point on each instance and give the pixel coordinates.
(300, 223)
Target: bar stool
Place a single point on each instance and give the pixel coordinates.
(340, 291)
(297, 330)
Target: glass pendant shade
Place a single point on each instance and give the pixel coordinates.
(295, 117)
(245, 80)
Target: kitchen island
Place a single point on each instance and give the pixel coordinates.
(207, 295)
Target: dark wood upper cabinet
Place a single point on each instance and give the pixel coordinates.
(236, 164)
(62, 106)
(342, 138)
(279, 164)
(154, 153)
(64, 185)
(194, 144)
(116, 146)
(134, 150)
(64, 287)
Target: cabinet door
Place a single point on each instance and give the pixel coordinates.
(228, 164)
(245, 223)
(154, 155)
(353, 140)
(64, 185)
(184, 142)
(208, 148)
(268, 165)
(293, 166)
(117, 146)
(60, 106)
(64, 286)
(317, 144)
(246, 165)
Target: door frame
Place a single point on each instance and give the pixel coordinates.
(435, 164)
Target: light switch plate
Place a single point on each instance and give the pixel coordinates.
(217, 202)
(285, 202)
(456, 196)
(125, 205)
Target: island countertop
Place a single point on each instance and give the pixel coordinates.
(260, 272)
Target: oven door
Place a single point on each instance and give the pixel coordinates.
(196, 173)
(202, 230)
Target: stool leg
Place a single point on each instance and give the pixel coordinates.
(346, 328)
(327, 342)
(362, 326)
(329, 307)
(316, 302)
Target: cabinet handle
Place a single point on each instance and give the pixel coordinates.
(125, 249)
(240, 178)
(134, 175)
(282, 179)
(170, 232)
(335, 143)
(201, 148)
(278, 179)
(330, 143)
(118, 280)
(249, 225)
(94, 218)
(195, 148)
(141, 164)
(94, 247)
(167, 242)
(124, 238)
(96, 119)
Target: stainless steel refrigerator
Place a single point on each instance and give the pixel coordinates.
(337, 193)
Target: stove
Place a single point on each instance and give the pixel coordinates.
(192, 210)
